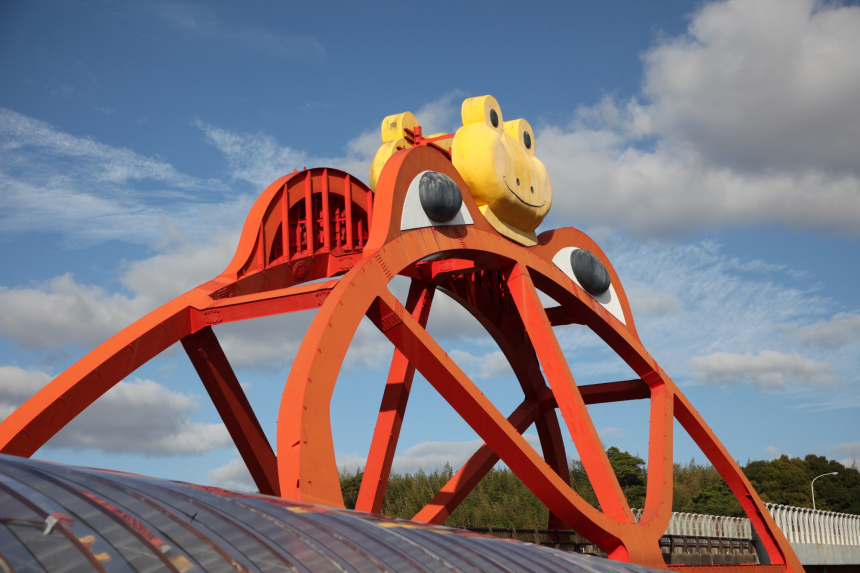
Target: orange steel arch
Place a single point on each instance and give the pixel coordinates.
(322, 223)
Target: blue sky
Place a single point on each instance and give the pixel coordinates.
(711, 148)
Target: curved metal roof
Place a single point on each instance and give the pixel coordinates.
(55, 517)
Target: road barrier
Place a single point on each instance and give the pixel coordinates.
(698, 525)
(818, 537)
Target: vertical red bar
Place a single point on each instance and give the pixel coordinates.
(369, 210)
(309, 214)
(337, 217)
(325, 214)
(347, 202)
(261, 251)
(392, 409)
(285, 224)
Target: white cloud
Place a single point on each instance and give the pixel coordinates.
(653, 303)
(488, 366)
(741, 319)
(138, 416)
(255, 158)
(180, 267)
(429, 456)
(62, 311)
(449, 320)
(729, 305)
(441, 115)
(835, 332)
(851, 451)
(751, 117)
(107, 164)
(763, 83)
(767, 370)
(601, 178)
(233, 476)
(611, 433)
(772, 452)
(91, 192)
(18, 384)
(259, 159)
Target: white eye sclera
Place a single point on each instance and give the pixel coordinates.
(608, 299)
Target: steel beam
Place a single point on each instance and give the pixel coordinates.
(461, 393)
(223, 387)
(392, 409)
(473, 471)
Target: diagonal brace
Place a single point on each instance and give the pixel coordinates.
(566, 393)
(391, 411)
(220, 381)
(474, 470)
(476, 410)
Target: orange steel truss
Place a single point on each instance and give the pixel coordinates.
(324, 224)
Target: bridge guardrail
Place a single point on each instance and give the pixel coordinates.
(804, 525)
(818, 537)
(698, 525)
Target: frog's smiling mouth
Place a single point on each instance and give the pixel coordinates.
(520, 198)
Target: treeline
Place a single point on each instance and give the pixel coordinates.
(502, 500)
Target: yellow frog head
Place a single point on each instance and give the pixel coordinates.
(497, 160)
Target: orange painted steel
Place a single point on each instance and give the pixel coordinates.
(390, 419)
(324, 224)
(223, 387)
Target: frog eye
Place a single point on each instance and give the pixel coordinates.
(494, 118)
(589, 271)
(440, 197)
(527, 139)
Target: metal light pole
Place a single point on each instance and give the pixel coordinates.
(812, 485)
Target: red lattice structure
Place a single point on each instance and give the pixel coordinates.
(324, 224)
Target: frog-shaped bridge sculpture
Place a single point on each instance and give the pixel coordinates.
(423, 222)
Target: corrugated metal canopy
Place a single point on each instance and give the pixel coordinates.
(55, 517)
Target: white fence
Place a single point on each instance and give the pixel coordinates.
(817, 537)
(706, 525)
(799, 524)
(802, 525)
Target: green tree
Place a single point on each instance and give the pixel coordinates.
(835, 493)
(406, 494)
(350, 483)
(783, 480)
(502, 500)
(715, 499)
(580, 483)
(631, 473)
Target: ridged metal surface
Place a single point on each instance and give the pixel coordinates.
(55, 517)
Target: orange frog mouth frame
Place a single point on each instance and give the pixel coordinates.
(520, 198)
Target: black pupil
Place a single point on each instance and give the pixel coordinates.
(533, 189)
(494, 118)
(518, 181)
(527, 139)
